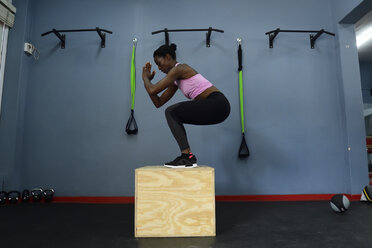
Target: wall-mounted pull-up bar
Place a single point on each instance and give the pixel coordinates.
(208, 41)
(62, 37)
(272, 34)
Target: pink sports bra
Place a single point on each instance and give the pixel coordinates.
(193, 86)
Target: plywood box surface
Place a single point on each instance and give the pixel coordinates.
(174, 202)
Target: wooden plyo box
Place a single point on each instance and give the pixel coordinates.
(174, 202)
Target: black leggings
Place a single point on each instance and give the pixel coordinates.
(212, 110)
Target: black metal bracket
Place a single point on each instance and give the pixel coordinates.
(103, 37)
(166, 36)
(208, 34)
(313, 38)
(62, 37)
(272, 37)
(272, 34)
(208, 38)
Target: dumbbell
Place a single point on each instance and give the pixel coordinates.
(13, 196)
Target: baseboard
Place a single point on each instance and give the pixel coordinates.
(219, 198)
(95, 199)
(305, 197)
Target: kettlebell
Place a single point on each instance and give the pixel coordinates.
(36, 194)
(25, 195)
(48, 195)
(3, 197)
(13, 196)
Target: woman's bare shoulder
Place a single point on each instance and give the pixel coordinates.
(187, 70)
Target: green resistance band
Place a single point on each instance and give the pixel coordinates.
(131, 127)
(243, 149)
(133, 76)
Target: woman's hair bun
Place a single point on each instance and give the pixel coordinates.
(173, 47)
(166, 49)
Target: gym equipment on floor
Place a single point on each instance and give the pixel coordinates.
(3, 197)
(366, 194)
(164, 194)
(25, 195)
(36, 194)
(14, 196)
(339, 203)
(48, 195)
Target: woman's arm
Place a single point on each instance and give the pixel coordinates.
(165, 83)
(167, 94)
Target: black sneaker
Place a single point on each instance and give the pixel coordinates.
(183, 161)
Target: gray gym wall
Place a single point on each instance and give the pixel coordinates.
(63, 117)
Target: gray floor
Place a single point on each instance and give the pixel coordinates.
(243, 224)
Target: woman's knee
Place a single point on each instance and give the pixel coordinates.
(170, 111)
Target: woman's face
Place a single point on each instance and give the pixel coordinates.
(164, 63)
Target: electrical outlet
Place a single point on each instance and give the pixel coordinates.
(29, 48)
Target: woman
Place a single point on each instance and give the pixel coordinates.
(208, 105)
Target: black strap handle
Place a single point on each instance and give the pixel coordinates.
(131, 127)
(240, 57)
(243, 150)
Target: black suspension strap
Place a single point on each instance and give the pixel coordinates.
(243, 149)
(131, 127)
